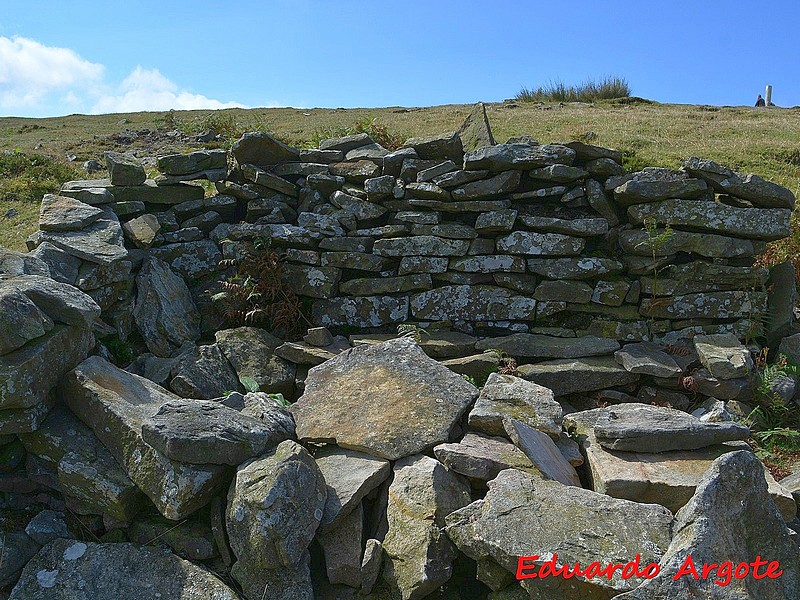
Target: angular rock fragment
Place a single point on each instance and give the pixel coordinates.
(542, 452)
(481, 457)
(420, 400)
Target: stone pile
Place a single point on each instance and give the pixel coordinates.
(569, 317)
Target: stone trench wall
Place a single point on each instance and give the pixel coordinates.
(551, 254)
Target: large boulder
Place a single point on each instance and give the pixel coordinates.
(730, 520)
(523, 515)
(165, 313)
(389, 400)
(418, 555)
(262, 150)
(20, 320)
(115, 404)
(73, 570)
(275, 505)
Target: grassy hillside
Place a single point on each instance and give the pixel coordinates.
(764, 141)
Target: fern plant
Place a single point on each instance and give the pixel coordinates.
(257, 293)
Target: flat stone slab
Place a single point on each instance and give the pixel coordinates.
(60, 213)
(528, 345)
(723, 355)
(207, 432)
(509, 396)
(420, 400)
(635, 241)
(115, 405)
(647, 358)
(522, 514)
(667, 478)
(100, 242)
(752, 223)
(472, 303)
(570, 376)
(482, 457)
(349, 476)
(730, 516)
(635, 427)
(542, 451)
(705, 305)
(74, 570)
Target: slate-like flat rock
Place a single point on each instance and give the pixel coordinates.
(389, 400)
(638, 427)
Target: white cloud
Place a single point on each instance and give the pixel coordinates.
(148, 89)
(30, 71)
(39, 80)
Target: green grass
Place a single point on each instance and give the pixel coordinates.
(608, 88)
(762, 141)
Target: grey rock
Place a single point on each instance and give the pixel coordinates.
(73, 570)
(275, 504)
(17, 549)
(114, 404)
(751, 187)
(191, 260)
(647, 358)
(654, 184)
(165, 313)
(337, 403)
(386, 285)
(20, 320)
(356, 171)
(94, 196)
(101, 242)
(318, 336)
(422, 264)
(571, 376)
(18, 263)
(483, 189)
(342, 549)
(47, 526)
(124, 169)
(379, 187)
(371, 565)
(636, 242)
(475, 131)
(603, 168)
(577, 227)
(192, 540)
(438, 147)
(587, 152)
(360, 311)
(346, 143)
(349, 477)
(558, 174)
(517, 156)
(192, 162)
(261, 149)
(251, 352)
(601, 203)
(521, 512)
(574, 268)
(705, 305)
(422, 245)
(575, 292)
(754, 223)
(780, 303)
(509, 396)
(142, 230)
(527, 345)
(312, 155)
(790, 347)
(730, 515)
(206, 432)
(431, 173)
(498, 221)
(360, 209)
(471, 303)
(488, 264)
(418, 555)
(540, 244)
(203, 372)
(481, 457)
(374, 152)
(723, 355)
(542, 451)
(60, 213)
(301, 353)
(459, 178)
(643, 428)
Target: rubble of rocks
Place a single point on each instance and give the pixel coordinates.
(574, 390)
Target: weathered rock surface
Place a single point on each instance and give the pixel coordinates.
(647, 358)
(566, 376)
(206, 432)
(349, 476)
(755, 223)
(528, 345)
(482, 457)
(709, 305)
(18, 549)
(522, 513)
(542, 452)
(653, 184)
(165, 314)
(60, 213)
(203, 372)
(124, 169)
(20, 320)
(635, 427)
(731, 516)
(262, 150)
(274, 507)
(723, 355)
(420, 400)
(342, 549)
(73, 570)
(115, 404)
(471, 302)
(517, 156)
(509, 396)
(251, 352)
(418, 555)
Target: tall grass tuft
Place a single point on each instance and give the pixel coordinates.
(607, 88)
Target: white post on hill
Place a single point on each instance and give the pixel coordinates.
(768, 95)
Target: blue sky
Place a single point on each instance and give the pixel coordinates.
(76, 56)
